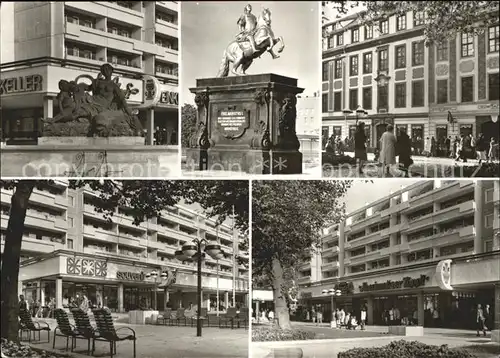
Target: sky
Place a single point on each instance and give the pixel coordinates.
(208, 27)
(331, 13)
(363, 192)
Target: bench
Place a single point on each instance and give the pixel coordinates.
(27, 325)
(65, 328)
(107, 331)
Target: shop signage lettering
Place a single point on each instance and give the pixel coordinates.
(169, 97)
(130, 276)
(406, 282)
(29, 83)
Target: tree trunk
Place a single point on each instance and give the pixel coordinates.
(280, 306)
(10, 259)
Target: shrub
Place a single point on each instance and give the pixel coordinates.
(277, 334)
(13, 350)
(329, 158)
(405, 349)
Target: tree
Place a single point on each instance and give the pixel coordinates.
(287, 219)
(188, 120)
(144, 198)
(443, 19)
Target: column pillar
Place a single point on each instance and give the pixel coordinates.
(59, 282)
(369, 310)
(341, 249)
(226, 299)
(247, 300)
(420, 308)
(478, 216)
(120, 297)
(150, 126)
(42, 292)
(257, 311)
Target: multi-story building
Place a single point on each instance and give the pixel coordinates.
(307, 121)
(44, 42)
(390, 253)
(68, 249)
(438, 91)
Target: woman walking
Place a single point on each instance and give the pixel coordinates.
(480, 326)
(387, 155)
(404, 151)
(360, 146)
(481, 147)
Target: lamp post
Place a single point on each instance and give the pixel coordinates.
(332, 292)
(154, 275)
(196, 250)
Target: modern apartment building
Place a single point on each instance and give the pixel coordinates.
(391, 253)
(69, 249)
(439, 91)
(46, 41)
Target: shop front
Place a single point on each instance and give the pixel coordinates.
(430, 296)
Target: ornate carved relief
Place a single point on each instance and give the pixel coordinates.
(442, 69)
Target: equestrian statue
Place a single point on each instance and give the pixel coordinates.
(255, 38)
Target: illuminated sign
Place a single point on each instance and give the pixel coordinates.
(168, 97)
(130, 276)
(406, 282)
(30, 83)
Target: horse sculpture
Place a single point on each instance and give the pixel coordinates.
(241, 53)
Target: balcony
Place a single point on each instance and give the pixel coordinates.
(450, 237)
(455, 189)
(110, 10)
(367, 221)
(175, 234)
(166, 28)
(89, 210)
(172, 6)
(330, 251)
(49, 200)
(367, 239)
(496, 223)
(46, 221)
(100, 234)
(128, 221)
(329, 265)
(304, 279)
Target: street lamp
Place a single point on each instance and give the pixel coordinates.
(332, 292)
(196, 250)
(154, 275)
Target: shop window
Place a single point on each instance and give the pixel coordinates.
(468, 89)
(401, 56)
(400, 89)
(353, 65)
(367, 98)
(442, 91)
(493, 87)
(337, 101)
(493, 37)
(367, 63)
(467, 45)
(368, 32)
(488, 221)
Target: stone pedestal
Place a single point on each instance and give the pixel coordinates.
(246, 124)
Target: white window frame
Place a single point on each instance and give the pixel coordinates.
(486, 221)
(486, 193)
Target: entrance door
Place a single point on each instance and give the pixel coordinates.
(417, 138)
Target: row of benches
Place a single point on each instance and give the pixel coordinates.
(232, 317)
(104, 330)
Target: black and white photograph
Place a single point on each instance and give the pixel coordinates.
(410, 89)
(133, 268)
(89, 89)
(360, 268)
(250, 90)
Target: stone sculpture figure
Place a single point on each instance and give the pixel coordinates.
(106, 110)
(250, 43)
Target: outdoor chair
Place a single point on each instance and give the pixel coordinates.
(107, 331)
(228, 317)
(164, 317)
(83, 326)
(203, 316)
(66, 329)
(180, 316)
(27, 325)
(242, 317)
(213, 319)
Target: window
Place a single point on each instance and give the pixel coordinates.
(401, 22)
(400, 99)
(383, 97)
(353, 65)
(488, 222)
(417, 53)
(325, 71)
(71, 200)
(338, 68)
(353, 98)
(384, 27)
(442, 51)
(331, 42)
(418, 18)
(488, 195)
(71, 222)
(383, 60)
(337, 101)
(324, 102)
(367, 98)
(401, 56)
(467, 45)
(493, 90)
(467, 89)
(368, 32)
(367, 62)
(340, 39)
(355, 35)
(493, 38)
(442, 91)
(488, 246)
(70, 244)
(417, 95)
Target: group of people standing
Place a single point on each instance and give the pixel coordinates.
(36, 308)
(342, 318)
(161, 137)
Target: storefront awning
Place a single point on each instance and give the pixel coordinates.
(262, 295)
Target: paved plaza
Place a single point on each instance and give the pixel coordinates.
(165, 342)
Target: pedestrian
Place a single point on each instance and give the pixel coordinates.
(387, 156)
(313, 315)
(481, 147)
(173, 137)
(397, 316)
(473, 148)
(319, 317)
(360, 146)
(435, 317)
(480, 326)
(341, 317)
(391, 316)
(433, 147)
(84, 305)
(447, 146)
(403, 147)
(271, 316)
(363, 318)
(493, 150)
(23, 304)
(337, 318)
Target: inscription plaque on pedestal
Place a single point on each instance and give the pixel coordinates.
(232, 123)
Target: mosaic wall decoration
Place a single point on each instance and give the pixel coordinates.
(86, 267)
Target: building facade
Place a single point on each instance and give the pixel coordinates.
(44, 42)
(437, 91)
(307, 121)
(391, 253)
(69, 249)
